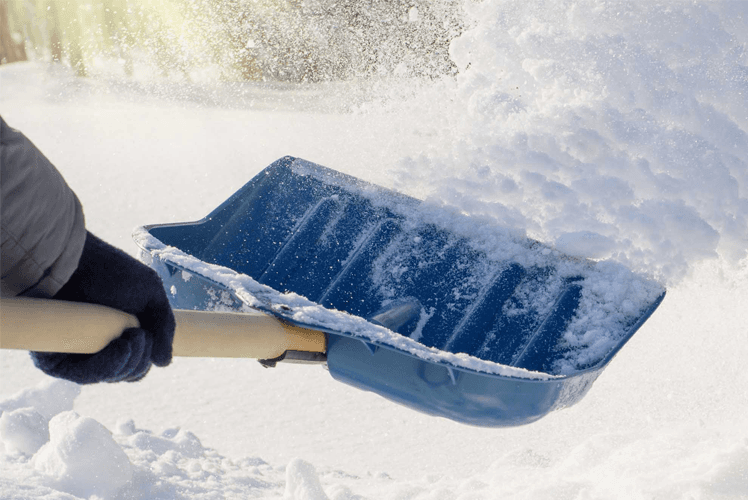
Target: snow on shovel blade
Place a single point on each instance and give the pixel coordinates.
(440, 312)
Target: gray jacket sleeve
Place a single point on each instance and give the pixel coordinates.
(43, 229)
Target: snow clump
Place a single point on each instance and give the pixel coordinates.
(82, 458)
(23, 430)
(302, 482)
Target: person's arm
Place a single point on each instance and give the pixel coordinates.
(47, 252)
(43, 228)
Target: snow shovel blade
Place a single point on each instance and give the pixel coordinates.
(443, 313)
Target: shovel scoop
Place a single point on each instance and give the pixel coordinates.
(440, 312)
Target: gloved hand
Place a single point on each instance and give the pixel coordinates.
(108, 276)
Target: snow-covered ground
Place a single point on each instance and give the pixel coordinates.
(611, 129)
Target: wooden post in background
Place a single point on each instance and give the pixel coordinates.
(10, 49)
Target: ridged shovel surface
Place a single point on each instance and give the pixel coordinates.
(443, 313)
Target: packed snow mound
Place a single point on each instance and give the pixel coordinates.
(82, 458)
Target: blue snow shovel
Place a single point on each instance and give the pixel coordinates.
(425, 307)
(440, 312)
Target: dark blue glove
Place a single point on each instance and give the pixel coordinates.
(108, 276)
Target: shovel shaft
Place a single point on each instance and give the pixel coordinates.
(72, 327)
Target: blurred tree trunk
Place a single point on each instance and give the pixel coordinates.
(65, 35)
(10, 50)
(55, 32)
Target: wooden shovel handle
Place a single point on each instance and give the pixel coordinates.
(73, 327)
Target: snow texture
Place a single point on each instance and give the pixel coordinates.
(597, 122)
(610, 129)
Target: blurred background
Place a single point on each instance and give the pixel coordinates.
(234, 40)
